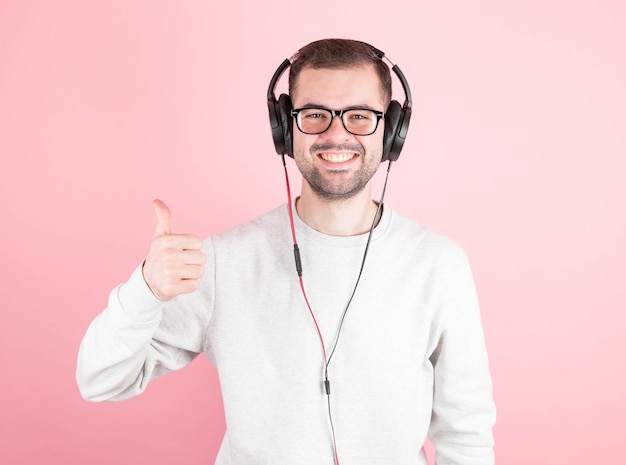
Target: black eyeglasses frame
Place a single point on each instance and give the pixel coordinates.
(379, 115)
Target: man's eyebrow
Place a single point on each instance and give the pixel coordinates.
(313, 105)
(363, 106)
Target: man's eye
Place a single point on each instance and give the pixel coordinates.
(361, 115)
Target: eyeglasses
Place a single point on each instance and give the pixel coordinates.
(357, 121)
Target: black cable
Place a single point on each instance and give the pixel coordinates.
(377, 216)
(358, 279)
(345, 312)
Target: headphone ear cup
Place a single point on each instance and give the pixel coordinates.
(400, 135)
(286, 123)
(392, 120)
(276, 126)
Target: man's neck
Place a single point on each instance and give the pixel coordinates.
(348, 217)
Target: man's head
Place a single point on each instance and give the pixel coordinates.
(337, 54)
(339, 90)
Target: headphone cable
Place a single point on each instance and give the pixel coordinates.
(298, 261)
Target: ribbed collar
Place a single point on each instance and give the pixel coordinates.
(305, 232)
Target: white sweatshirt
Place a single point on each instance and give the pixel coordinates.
(410, 361)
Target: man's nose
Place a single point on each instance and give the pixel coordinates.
(337, 129)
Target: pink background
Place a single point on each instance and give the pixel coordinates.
(517, 150)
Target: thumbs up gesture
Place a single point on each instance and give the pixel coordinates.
(175, 261)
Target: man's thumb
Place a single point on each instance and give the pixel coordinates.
(163, 217)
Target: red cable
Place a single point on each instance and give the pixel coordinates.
(295, 243)
(299, 270)
(306, 299)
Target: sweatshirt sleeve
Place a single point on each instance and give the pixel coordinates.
(138, 338)
(463, 408)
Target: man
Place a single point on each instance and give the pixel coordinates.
(380, 306)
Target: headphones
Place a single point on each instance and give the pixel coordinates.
(397, 116)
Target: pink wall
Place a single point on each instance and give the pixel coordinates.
(517, 150)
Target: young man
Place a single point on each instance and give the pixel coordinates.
(392, 319)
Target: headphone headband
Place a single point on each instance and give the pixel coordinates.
(397, 116)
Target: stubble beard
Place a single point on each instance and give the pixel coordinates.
(331, 188)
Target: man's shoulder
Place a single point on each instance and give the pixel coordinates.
(268, 224)
(426, 239)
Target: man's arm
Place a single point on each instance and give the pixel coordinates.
(463, 407)
(140, 336)
(113, 354)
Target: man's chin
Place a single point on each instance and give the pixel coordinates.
(335, 194)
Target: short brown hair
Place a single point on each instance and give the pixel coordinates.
(339, 53)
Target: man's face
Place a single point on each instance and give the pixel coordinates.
(336, 164)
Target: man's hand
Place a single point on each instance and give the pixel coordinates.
(175, 261)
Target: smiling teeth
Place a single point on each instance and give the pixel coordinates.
(337, 157)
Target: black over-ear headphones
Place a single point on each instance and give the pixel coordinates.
(397, 116)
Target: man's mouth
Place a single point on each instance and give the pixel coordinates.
(337, 157)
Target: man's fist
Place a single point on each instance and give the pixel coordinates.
(175, 262)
